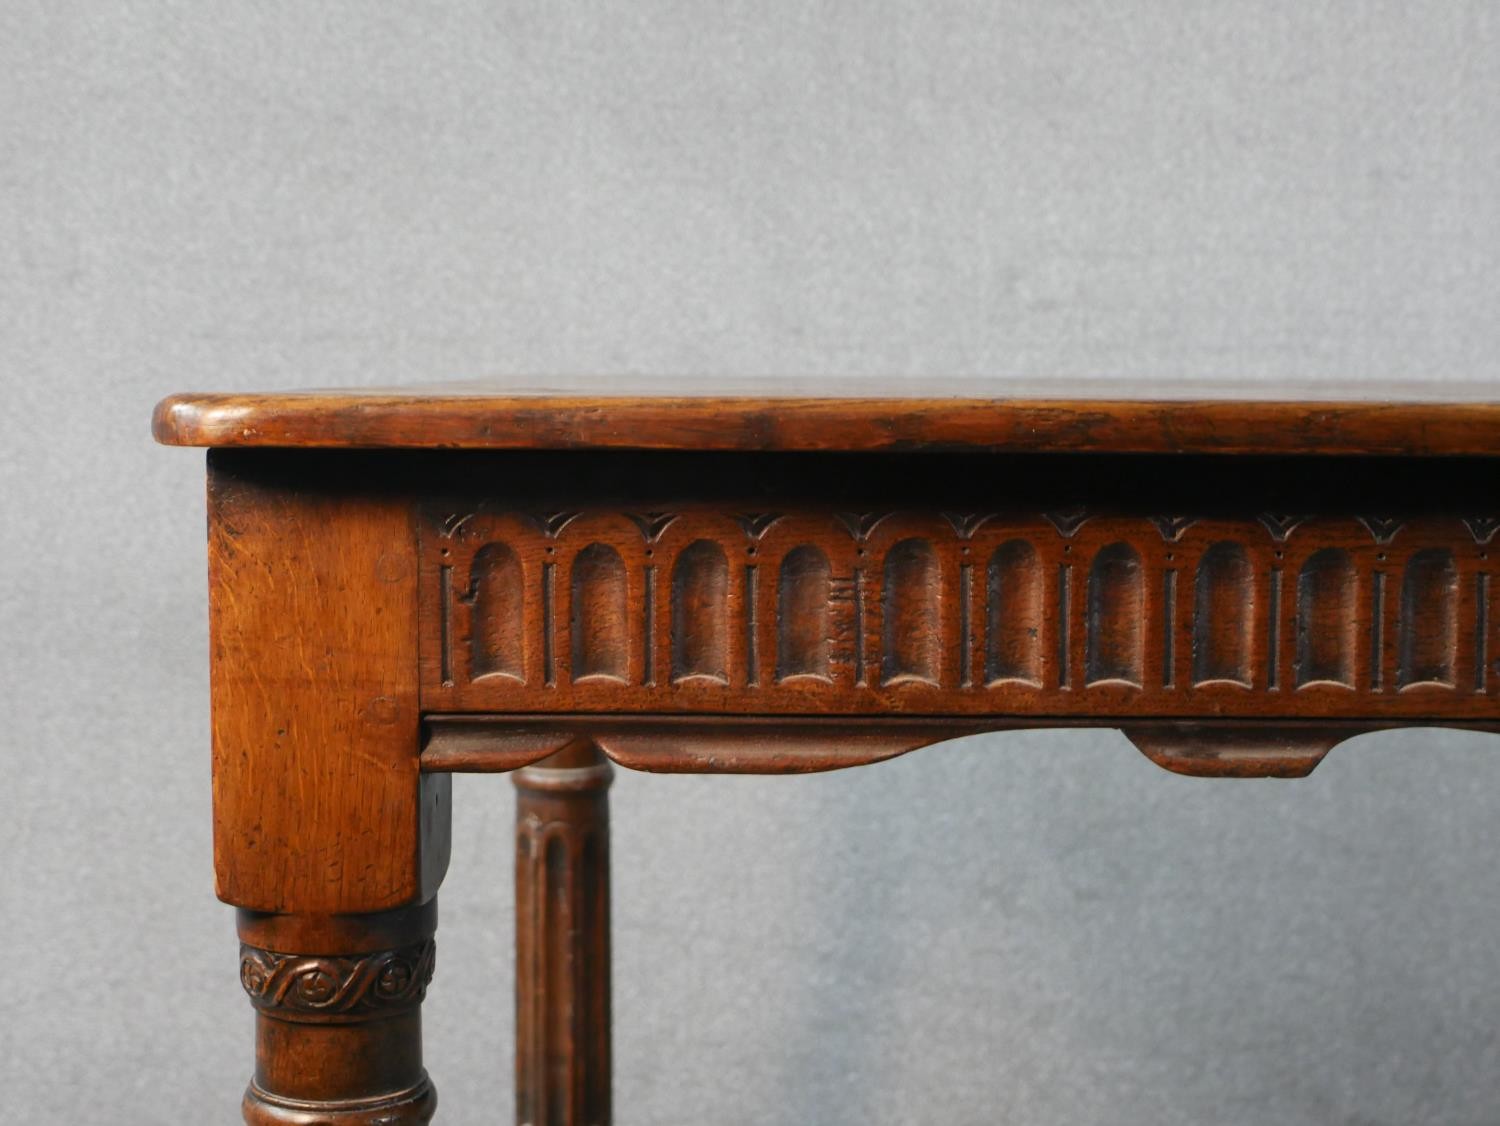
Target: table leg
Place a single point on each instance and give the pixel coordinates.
(562, 940)
(338, 1017)
(326, 834)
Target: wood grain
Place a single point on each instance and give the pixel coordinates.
(685, 745)
(563, 1033)
(337, 1004)
(961, 415)
(318, 807)
(742, 585)
(1205, 748)
(1105, 614)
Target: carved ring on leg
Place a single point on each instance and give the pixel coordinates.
(338, 1036)
(415, 1105)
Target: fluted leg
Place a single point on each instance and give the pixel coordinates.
(338, 1017)
(562, 940)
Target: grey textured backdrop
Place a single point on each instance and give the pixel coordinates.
(1037, 928)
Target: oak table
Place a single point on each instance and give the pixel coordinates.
(765, 577)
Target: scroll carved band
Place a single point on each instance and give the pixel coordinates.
(321, 988)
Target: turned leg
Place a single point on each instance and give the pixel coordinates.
(338, 1017)
(562, 940)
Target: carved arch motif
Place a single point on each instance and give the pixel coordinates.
(1115, 627)
(1327, 619)
(700, 614)
(497, 638)
(600, 622)
(804, 616)
(1428, 641)
(911, 631)
(972, 613)
(1013, 624)
(1223, 616)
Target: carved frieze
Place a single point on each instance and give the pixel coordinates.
(1070, 612)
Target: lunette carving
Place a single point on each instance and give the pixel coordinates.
(1172, 527)
(965, 524)
(1482, 528)
(553, 522)
(652, 524)
(1280, 525)
(1383, 528)
(1067, 521)
(756, 523)
(861, 524)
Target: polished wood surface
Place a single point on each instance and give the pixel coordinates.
(808, 609)
(563, 1027)
(855, 415)
(318, 804)
(751, 585)
(338, 1017)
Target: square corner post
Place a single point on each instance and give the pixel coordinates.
(327, 837)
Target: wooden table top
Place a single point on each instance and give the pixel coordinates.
(855, 415)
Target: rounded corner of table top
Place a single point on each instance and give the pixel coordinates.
(915, 417)
(207, 420)
(177, 421)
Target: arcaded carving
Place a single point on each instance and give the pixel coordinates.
(736, 611)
